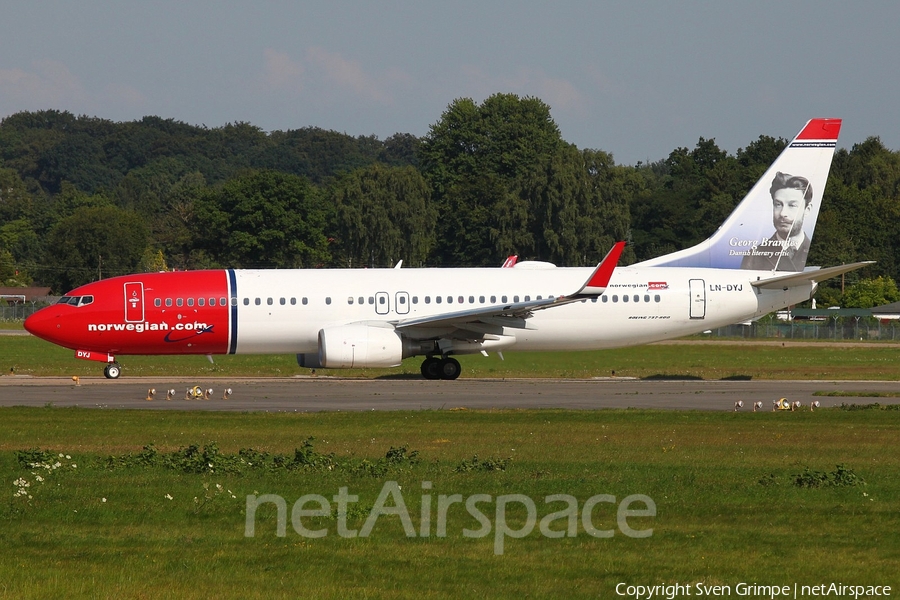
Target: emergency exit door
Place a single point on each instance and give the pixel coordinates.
(134, 302)
(698, 298)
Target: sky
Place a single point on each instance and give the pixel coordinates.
(637, 79)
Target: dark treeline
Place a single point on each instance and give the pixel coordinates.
(83, 198)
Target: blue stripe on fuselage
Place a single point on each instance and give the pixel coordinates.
(232, 301)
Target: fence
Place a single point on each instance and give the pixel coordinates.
(840, 328)
(20, 310)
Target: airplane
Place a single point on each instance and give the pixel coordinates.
(374, 318)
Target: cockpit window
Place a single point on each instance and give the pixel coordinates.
(76, 300)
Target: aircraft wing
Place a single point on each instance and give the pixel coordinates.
(786, 281)
(515, 314)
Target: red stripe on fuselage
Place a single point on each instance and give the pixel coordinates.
(106, 325)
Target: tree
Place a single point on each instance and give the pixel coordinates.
(262, 219)
(382, 215)
(94, 242)
(867, 293)
(504, 182)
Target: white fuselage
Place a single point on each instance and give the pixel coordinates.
(282, 311)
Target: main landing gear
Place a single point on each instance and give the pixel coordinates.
(440, 368)
(112, 371)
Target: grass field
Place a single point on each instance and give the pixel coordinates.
(27, 355)
(725, 486)
(765, 498)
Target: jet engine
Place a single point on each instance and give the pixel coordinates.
(359, 346)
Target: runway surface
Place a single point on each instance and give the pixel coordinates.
(312, 394)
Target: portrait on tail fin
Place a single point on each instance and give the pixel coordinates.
(787, 248)
(791, 188)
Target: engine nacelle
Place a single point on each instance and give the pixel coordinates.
(359, 346)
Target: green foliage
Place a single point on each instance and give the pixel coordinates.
(262, 219)
(840, 477)
(208, 459)
(873, 406)
(488, 465)
(92, 243)
(488, 180)
(382, 214)
(867, 293)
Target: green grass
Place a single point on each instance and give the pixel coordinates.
(727, 508)
(27, 355)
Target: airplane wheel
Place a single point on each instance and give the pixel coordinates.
(112, 371)
(431, 368)
(450, 368)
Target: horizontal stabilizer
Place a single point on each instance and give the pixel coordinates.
(816, 276)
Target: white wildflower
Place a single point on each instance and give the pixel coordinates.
(68, 457)
(168, 496)
(103, 500)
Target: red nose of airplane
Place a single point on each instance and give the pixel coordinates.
(45, 324)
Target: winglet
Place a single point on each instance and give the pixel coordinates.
(510, 261)
(599, 279)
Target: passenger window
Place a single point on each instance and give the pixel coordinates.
(233, 300)
(615, 298)
(594, 299)
(624, 297)
(246, 301)
(516, 298)
(381, 299)
(281, 301)
(604, 298)
(269, 301)
(437, 299)
(656, 298)
(402, 300)
(201, 301)
(527, 298)
(647, 298)
(179, 302)
(415, 299)
(636, 298)
(481, 299)
(305, 301)
(371, 299)
(257, 301)
(538, 298)
(328, 300)
(493, 299)
(222, 301)
(190, 301)
(362, 300)
(293, 301)
(168, 302)
(350, 300)
(449, 299)
(157, 303)
(427, 299)
(503, 299)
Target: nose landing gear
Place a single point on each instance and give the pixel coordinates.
(112, 371)
(441, 368)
